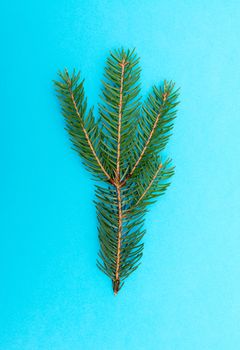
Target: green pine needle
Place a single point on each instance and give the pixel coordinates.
(123, 149)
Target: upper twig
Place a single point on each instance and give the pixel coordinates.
(164, 98)
(86, 133)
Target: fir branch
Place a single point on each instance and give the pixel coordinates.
(122, 148)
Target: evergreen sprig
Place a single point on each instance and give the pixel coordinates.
(123, 150)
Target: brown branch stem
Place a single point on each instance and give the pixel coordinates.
(122, 64)
(116, 282)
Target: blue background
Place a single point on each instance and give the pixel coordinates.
(186, 293)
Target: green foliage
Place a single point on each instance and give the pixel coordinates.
(123, 149)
